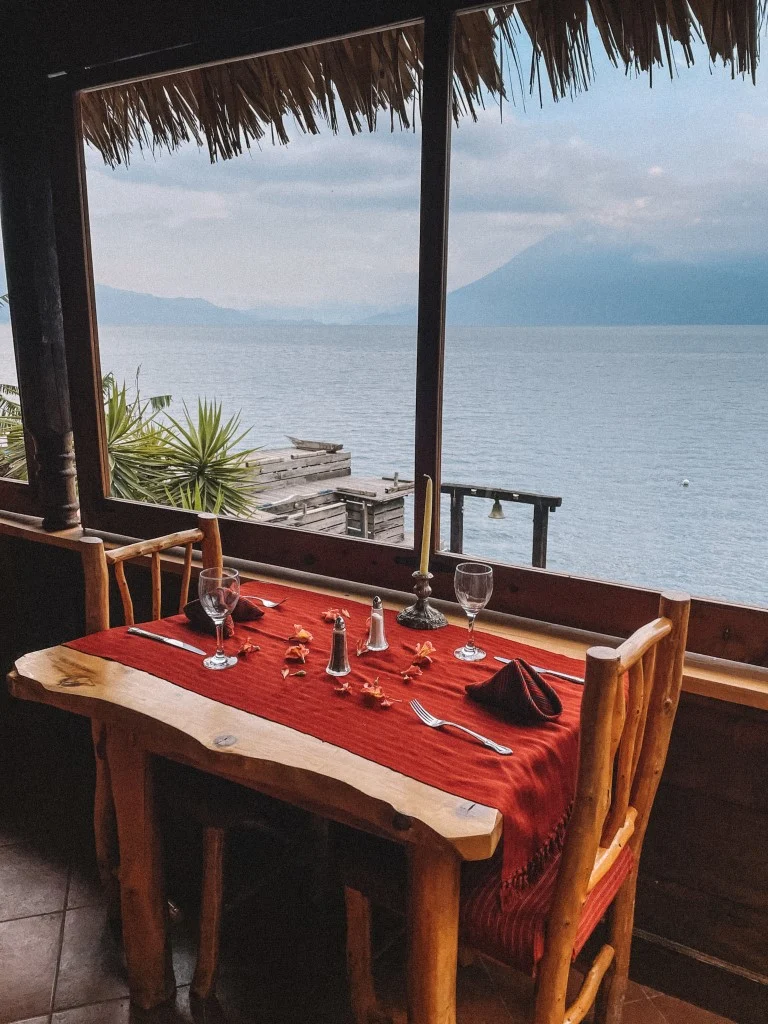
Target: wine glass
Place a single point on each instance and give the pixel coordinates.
(473, 583)
(219, 590)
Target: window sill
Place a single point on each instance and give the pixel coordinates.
(715, 678)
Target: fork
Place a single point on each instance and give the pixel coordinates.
(265, 602)
(438, 723)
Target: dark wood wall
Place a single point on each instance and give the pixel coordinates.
(704, 881)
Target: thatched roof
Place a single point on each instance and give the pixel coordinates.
(228, 107)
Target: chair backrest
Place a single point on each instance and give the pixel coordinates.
(628, 708)
(97, 560)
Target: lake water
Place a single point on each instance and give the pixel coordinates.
(610, 418)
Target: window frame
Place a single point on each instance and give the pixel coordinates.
(718, 628)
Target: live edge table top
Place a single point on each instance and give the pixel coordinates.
(274, 759)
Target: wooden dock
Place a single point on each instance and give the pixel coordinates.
(315, 490)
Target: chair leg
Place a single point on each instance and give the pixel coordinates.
(204, 980)
(609, 1005)
(362, 994)
(105, 825)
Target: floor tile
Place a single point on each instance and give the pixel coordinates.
(85, 889)
(119, 1011)
(184, 946)
(677, 1012)
(91, 968)
(116, 1011)
(514, 988)
(643, 1011)
(635, 991)
(29, 949)
(33, 880)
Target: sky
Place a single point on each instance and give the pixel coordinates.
(328, 225)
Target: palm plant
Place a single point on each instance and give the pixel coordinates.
(134, 443)
(206, 471)
(193, 464)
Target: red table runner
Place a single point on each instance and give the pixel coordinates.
(533, 788)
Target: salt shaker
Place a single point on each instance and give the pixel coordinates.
(376, 639)
(339, 662)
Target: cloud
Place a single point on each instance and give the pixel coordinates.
(334, 220)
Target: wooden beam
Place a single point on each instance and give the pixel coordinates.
(35, 304)
(77, 294)
(439, 32)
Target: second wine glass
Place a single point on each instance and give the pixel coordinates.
(473, 583)
(219, 591)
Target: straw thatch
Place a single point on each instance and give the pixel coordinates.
(228, 107)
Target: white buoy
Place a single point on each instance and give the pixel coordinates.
(685, 482)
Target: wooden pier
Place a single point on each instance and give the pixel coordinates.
(315, 490)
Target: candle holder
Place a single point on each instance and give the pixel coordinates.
(421, 614)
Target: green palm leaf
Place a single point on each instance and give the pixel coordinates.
(134, 445)
(205, 465)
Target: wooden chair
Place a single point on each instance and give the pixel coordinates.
(625, 733)
(216, 804)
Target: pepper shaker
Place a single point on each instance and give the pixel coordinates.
(339, 662)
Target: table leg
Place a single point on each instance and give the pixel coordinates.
(433, 934)
(142, 896)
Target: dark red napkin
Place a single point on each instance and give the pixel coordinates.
(245, 611)
(519, 693)
(201, 621)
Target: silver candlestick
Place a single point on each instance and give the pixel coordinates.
(421, 614)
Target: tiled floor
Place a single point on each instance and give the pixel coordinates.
(282, 961)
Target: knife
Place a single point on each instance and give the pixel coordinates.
(135, 631)
(546, 671)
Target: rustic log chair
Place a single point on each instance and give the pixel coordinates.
(625, 733)
(215, 803)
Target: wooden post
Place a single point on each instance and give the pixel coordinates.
(457, 521)
(439, 30)
(213, 557)
(204, 980)
(96, 577)
(142, 896)
(35, 304)
(540, 528)
(434, 876)
(362, 993)
(584, 830)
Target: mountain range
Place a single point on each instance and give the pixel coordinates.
(576, 280)
(568, 279)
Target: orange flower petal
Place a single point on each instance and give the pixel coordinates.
(301, 634)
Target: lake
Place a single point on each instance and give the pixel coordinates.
(612, 419)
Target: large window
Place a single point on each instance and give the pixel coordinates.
(245, 367)
(607, 340)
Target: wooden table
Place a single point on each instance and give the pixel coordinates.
(147, 716)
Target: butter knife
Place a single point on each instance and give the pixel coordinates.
(135, 631)
(545, 671)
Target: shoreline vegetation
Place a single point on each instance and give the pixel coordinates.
(193, 462)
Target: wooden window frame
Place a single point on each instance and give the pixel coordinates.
(718, 628)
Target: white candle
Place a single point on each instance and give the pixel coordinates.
(426, 532)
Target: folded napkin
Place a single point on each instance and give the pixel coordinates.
(245, 611)
(520, 693)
